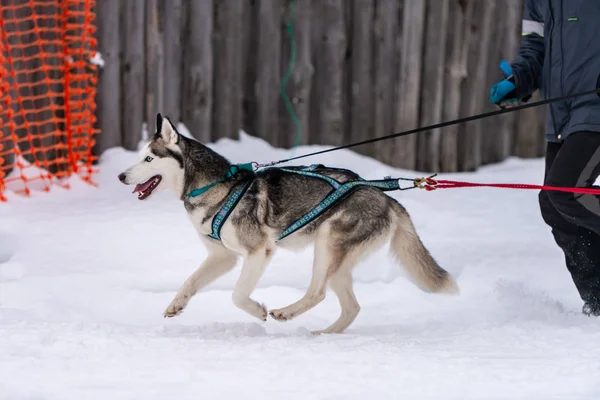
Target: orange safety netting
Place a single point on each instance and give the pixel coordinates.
(47, 93)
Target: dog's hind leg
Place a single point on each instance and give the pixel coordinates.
(326, 262)
(341, 280)
(252, 269)
(218, 262)
(341, 284)
(341, 243)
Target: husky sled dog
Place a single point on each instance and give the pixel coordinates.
(273, 200)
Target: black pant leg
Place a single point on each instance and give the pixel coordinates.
(577, 163)
(581, 246)
(549, 213)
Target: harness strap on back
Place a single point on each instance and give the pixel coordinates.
(333, 197)
(307, 172)
(234, 197)
(339, 191)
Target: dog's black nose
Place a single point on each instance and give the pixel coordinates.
(122, 177)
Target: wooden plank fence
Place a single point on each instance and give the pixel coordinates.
(363, 69)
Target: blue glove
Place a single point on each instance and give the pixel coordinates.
(504, 92)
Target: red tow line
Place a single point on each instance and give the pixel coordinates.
(430, 184)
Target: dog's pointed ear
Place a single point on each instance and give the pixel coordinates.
(159, 121)
(167, 131)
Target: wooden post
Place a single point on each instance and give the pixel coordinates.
(361, 105)
(455, 73)
(22, 36)
(227, 112)
(384, 71)
(172, 54)
(432, 95)
(513, 40)
(44, 84)
(197, 80)
(7, 155)
(133, 73)
(268, 75)
(347, 12)
(154, 64)
(497, 133)
(299, 85)
(491, 127)
(474, 92)
(250, 61)
(109, 80)
(330, 73)
(409, 84)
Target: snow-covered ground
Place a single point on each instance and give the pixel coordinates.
(82, 298)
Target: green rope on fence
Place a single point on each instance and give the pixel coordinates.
(288, 104)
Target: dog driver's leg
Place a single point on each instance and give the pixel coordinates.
(252, 269)
(219, 262)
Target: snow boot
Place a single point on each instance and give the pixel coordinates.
(591, 310)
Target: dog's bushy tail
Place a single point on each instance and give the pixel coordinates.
(410, 252)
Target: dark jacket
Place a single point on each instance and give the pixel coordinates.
(560, 55)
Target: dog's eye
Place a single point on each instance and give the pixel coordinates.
(148, 159)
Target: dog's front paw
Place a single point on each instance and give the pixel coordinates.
(260, 312)
(282, 314)
(175, 308)
(173, 311)
(263, 312)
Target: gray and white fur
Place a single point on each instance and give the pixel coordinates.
(356, 226)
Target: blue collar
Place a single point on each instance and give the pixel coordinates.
(233, 170)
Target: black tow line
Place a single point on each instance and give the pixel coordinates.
(440, 125)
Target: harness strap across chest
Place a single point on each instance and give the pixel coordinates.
(339, 191)
(230, 202)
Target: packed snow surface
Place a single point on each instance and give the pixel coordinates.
(83, 295)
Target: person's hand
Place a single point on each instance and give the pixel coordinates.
(503, 93)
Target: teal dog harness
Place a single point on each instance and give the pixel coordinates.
(339, 191)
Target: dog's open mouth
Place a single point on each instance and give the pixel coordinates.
(145, 189)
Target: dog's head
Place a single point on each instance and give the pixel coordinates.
(160, 165)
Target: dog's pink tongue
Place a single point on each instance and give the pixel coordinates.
(140, 187)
